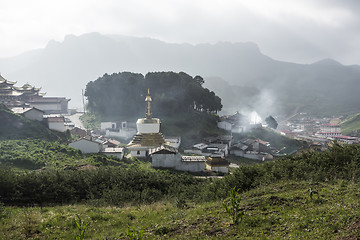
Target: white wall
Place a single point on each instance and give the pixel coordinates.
(224, 125)
(143, 127)
(191, 166)
(86, 146)
(134, 153)
(122, 133)
(175, 161)
(118, 155)
(105, 125)
(47, 106)
(34, 115)
(57, 126)
(165, 160)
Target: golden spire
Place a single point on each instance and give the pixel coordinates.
(148, 106)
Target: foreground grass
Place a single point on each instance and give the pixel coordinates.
(279, 211)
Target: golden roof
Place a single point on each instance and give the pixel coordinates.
(217, 161)
(147, 140)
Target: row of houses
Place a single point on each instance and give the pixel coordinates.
(222, 146)
(54, 122)
(168, 157)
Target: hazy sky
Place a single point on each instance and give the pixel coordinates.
(300, 31)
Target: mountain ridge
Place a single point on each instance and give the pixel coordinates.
(64, 68)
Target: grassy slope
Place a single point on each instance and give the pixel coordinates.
(351, 125)
(28, 154)
(14, 126)
(282, 210)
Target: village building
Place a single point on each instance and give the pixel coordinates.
(221, 139)
(168, 157)
(288, 133)
(217, 164)
(216, 149)
(87, 145)
(123, 130)
(112, 143)
(113, 151)
(329, 130)
(196, 149)
(256, 149)
(148, 134)
(173, 141)
(78, 132)
(234, 123)
(237, 123)
(56, 123)
(346, 139)
(30, 113)
(203, 149)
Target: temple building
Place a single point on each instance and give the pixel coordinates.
(148, 134)
(12, 96)
(28, 96)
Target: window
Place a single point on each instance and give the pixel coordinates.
(138, 152)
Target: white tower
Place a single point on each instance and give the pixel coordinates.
(148, 133)
(148, 124)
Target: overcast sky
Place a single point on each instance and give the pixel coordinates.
(301, 31)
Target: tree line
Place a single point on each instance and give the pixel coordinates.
(123, 94)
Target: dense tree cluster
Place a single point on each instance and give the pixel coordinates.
(123, 94)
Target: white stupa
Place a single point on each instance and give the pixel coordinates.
(148, 133)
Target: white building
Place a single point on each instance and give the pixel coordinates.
(196, 149)
(50, 105)
(122, 130)
(56, 123)
(87, 145)
(209, 150)
(329, 130)
(30, 113)
(168, 157)
(113, 151)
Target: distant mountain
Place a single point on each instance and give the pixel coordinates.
(64, 69)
